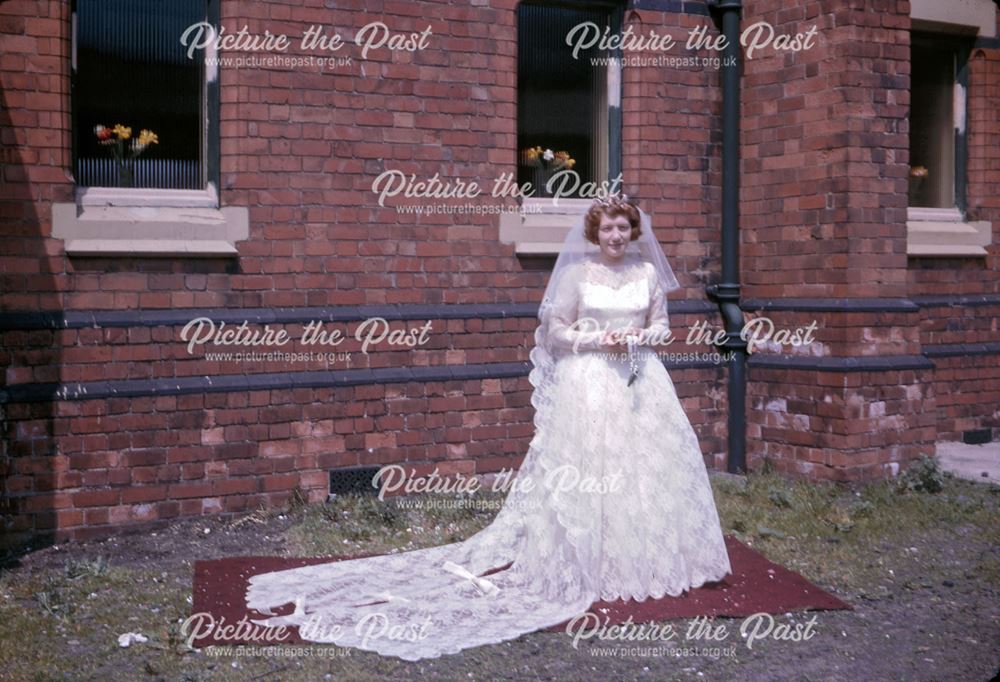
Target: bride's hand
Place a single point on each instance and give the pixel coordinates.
(633, 331)
(619, 337)
(611, 340)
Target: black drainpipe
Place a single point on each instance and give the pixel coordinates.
(726, 15)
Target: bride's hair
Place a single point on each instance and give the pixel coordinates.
(613, 206)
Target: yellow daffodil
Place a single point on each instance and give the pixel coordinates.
(147, 137)
(123, 132)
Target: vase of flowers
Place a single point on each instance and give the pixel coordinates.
(124, 148)
(545, 163)
(918, 175)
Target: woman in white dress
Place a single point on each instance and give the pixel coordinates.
(612, 500)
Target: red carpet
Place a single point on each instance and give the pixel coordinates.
(756, 585)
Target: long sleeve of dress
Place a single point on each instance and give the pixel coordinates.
(657, 322)
(563, 330)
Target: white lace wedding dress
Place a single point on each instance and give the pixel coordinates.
(612, 501)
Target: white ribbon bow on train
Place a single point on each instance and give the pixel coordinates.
(482, 584)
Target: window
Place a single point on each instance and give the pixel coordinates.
(131, 68)
(937, 121)
(568, 102)
(941, 38)
(562, 97)
(138, 195)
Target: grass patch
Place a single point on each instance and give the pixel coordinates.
(64, 623)
(351, 524)
(845, 536)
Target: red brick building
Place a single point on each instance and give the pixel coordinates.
(870, 204)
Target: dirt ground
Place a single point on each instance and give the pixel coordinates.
(920, 568)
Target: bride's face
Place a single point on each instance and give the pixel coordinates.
(614, 235)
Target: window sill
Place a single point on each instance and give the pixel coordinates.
(973, 16)
(154, 198)
(942, 232)
(541, 227)
(101, 226)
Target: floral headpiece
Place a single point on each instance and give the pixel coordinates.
(616, 200)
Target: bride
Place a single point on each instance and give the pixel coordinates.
(612, 500)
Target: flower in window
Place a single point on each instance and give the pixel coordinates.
(545, 162)
(146, 138)
(114, 139)
(562, 160)
(539, 157)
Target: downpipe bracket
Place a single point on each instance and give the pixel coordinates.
(727, 297)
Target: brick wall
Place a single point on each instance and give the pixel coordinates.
(824, 199)
(95, 465)
(823, 218)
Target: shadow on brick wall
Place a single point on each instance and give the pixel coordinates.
(29, 468)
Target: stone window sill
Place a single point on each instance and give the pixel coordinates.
(943, 232)
(131, 222)
(541, 227)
